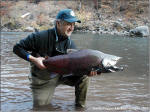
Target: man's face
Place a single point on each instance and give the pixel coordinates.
(65, 28)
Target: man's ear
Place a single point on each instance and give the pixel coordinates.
(58, 24)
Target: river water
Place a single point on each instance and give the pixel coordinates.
(122, 91)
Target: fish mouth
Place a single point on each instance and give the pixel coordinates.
(110, 69)
(113, 69)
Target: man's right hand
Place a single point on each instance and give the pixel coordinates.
(38, 61)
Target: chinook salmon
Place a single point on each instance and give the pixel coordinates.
(81, 62)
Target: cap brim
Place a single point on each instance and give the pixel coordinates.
(71, 20)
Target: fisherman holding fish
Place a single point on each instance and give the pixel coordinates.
(48, 43)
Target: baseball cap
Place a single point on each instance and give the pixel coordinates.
(67, 15)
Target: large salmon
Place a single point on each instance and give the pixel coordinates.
(82, 62)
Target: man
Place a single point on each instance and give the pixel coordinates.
(52, 42)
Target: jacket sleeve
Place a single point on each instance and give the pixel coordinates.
(30, 43)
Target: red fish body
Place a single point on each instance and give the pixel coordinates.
(80, 62)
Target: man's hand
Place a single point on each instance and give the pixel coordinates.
(38, 62)
(93, 73)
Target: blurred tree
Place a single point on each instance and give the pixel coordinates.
(79, 5)
(97, 4)
(123, 5)
(115, 4)
(34, 1)
(4, 7)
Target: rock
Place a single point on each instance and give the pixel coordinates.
(77, 28)
(97, 28)
(12, 25)
(4, 29)
(29, 29)
(25, 15)
(93, 31)
(118, 25)
(140, 31)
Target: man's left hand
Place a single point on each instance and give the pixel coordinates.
(93, 73)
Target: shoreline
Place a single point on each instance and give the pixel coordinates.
(86, 31)
(111, 18)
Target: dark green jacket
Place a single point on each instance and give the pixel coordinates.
(43, 43)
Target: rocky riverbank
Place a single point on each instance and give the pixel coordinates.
(130, 18)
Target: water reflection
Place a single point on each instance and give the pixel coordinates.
(126, 90)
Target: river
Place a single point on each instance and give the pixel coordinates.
(127, 90)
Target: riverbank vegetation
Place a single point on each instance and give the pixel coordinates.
(97, 16)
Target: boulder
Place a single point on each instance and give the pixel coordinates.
(140, 31)
(29, 29)
(118, 25)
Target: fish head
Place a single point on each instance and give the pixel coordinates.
(109, 64)
(110, 61)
